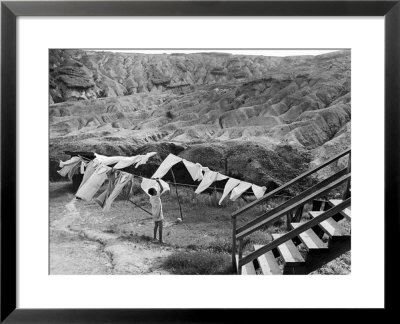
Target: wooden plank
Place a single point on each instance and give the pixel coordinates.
(293, 204)
(288, 236)
(345, 212)
(248, 269)
(288, 184)
(310, 239)
(268, 263)
(289, 252)
(330, 226)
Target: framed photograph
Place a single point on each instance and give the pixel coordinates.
(165, 155)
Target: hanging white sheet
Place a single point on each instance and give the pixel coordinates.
(167, 164)
(241, 188)
(232, 183)
(258, 191)
(195, 170)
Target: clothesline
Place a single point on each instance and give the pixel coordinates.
(96, 171)
(234, 187)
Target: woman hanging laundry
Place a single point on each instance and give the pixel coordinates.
(156, 205)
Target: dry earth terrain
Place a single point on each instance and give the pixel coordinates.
(260, 119)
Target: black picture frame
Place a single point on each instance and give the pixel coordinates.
(11, 10)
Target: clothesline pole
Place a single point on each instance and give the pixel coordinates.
(140, 207)
(177, 195)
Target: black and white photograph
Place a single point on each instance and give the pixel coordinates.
(199, 161)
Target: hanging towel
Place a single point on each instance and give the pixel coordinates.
(208, 179)
(93, 184)
(195, 170)
(107, 160)
(258, 191)
(232, 183)
(127, 161)
(167, 164)
(121, 180)
(241, 188)
(151, 183)
(145, 158)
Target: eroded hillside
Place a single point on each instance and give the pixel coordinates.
(264, 119)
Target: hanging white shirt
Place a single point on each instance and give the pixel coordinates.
(241, 188)
(167, 164)
(258, 191)
(232, 183)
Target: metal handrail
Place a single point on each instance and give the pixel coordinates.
(290, 205)
(319, 189)
(291, 234)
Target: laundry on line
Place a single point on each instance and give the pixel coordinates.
(208, 177)
(99, 170)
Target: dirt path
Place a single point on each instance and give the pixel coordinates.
(76, 249)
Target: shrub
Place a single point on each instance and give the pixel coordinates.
(198, 262)
(221, 245)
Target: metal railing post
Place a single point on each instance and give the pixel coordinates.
(240, 255)
(234, 265)
(346, 192)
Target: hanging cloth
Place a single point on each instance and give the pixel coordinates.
(145, 158)
(93, 184)
(258, 191)
(151, 183)
(195, 170)
(209, 178)
(167, 164)
(83, 165)
(90, 168)
(241, 188)
(107, 160)
(127, 161)
(72, 160)
(232, 183)
(70, 167)
(106, 193)
(121, 180)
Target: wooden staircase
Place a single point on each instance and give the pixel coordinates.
(308, 244)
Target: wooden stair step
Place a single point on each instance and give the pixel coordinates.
(290, 254)
(268, 263)
(248, 269)
(345, 212)
(310, 239)
(330, 226)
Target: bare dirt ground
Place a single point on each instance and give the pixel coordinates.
(82, 242)
(86, 240)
